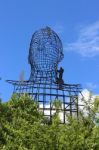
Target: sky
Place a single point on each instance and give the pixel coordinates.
(76, 23)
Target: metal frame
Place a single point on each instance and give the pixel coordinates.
(45, 94)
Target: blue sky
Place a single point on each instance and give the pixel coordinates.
(77, 24)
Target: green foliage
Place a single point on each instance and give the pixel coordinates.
(23, 127)
(57, 104)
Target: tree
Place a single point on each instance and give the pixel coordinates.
(23, 127)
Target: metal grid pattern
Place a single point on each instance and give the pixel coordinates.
(45, 94)
(45, 53)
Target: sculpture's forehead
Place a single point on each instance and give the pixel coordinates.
(46, 36)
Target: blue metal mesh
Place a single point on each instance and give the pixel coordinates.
(45, 52)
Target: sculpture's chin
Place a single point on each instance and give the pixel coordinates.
(44, 67)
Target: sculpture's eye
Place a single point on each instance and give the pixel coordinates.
(35, 42)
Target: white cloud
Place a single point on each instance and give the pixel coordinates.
(82, 105)
(87, 97)
(86, 101)
(87, 43)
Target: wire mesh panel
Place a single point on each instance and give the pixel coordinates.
(45, 94)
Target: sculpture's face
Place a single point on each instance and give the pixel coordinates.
(44, 53)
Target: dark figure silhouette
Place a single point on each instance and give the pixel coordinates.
(59, 78)
(60, 73)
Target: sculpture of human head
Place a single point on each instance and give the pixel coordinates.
(45, 50)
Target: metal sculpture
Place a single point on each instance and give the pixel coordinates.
(45, 53)
(46, 81)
